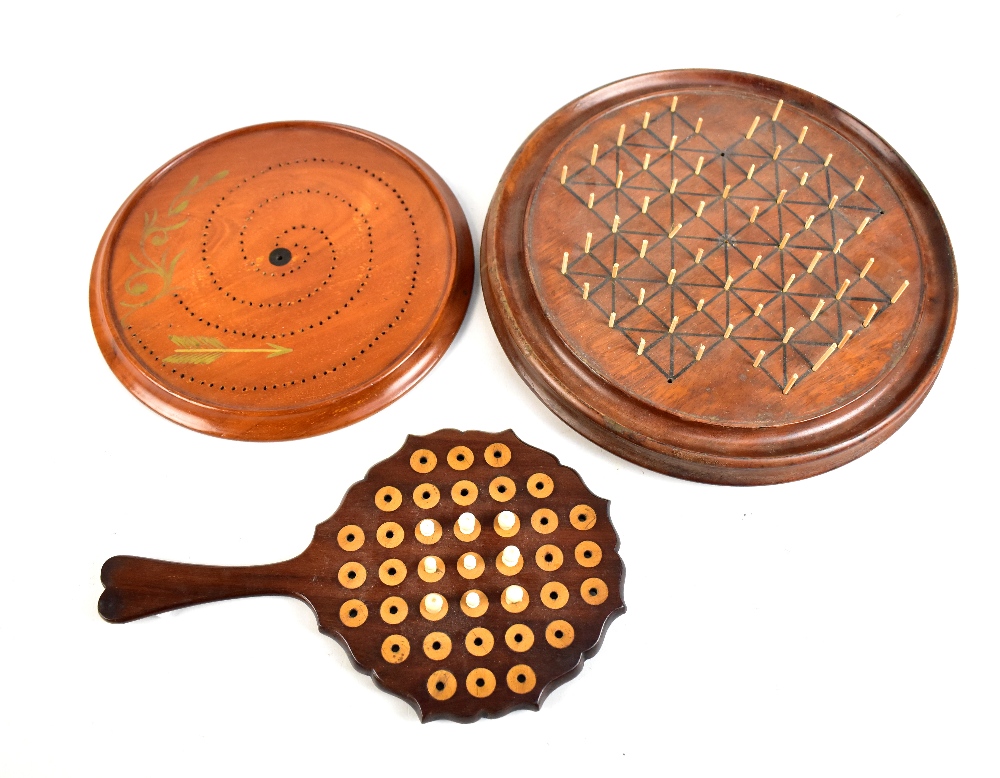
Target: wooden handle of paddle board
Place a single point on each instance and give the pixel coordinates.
(136, 587)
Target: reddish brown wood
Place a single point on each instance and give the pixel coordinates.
(718, 419)
(281, 281)
(138, 587)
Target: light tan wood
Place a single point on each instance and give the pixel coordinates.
(392, 572)
(481, 682)
(521, 679)
(544, 521)
(437, 646)
(559, 633)
(395, 649)
(390, 534)
(424, 460)
(352, 575)
(549, 557)
(393, 610)
(594, 591)
(461, 458)
(519, 638)
(353, 613)
(479, 641)
(350, 537)
(441, 685)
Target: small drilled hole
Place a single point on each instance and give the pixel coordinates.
(587, 554)
(582, 517)
(548, 557)
(392, 571)
(543, 521)
(478, 641)
(394, 647)
(439, 686)
(518, 637)
(352, 575)
(539, 485)
(593, 592)
(553, 596)
(521, 678)
(460, 457)
(350, 538)
(480, 682)
(497, 455)
(436, 645)
(465, 492)
(558, 633)
(389, 534)
(353, 613)
(426, 495)
(387, 498)
(423, 460)
(501, 488)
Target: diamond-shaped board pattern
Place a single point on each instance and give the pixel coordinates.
(700, 235)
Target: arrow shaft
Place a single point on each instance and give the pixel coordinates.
(223, 350)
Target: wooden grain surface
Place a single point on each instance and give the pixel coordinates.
(382, 621)
(718, 245)
(281, 280)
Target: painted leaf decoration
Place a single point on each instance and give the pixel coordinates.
(180, 206)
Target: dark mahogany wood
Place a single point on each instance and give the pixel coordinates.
(713, 416)
(281, 280)
(137, 587)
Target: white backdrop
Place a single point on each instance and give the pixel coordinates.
(844, 625)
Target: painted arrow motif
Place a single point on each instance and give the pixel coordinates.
(200, 350)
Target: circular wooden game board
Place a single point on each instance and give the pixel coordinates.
(719, 276)
(281, 280)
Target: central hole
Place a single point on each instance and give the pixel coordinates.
(587, 554)
(436, 645)
(426, 495)
(478, 641)
(352, 575)
(553, 596)
(501, 488)
(521, 678)
(439, 686)
(582, 517)
(387, 498)
(518, 637)
(423, 460)
(393, 610)
(279, 257)
(543, 521)
(353, 613)
(497, 455)
(593, 592)
(548, 557)
(350, 538)
(465, 492)
(480, 682)
(460, 457)
(558, 633)
(394, 647)
(389, 534)
(392, 571)
(539, 485)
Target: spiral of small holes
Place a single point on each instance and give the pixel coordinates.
(544, 521)
(431, 577)
(475, 572)
(353, 613)
(392, 572)
(594, 591)
(554, 595)
(480, 609)
(351, 575)
(583, 517)
(549, 558)
(497, 455)
(351, 537)
(479, 641)
(426, 496)
(389, 534)
(428, 614)
(507, 533)
(559, 633)
(507, 570)
(481, 682)
(393, 610)
(460, 458)
(428, 540)
(441, 685)
(423, 460)
(521, 679)
(437, 646)
(388, 498)
(540, 485)
(464, 493)
(502, 488)
(471, 536)
(588, 554)
(395, 649)
(519, 638)
(515, 607)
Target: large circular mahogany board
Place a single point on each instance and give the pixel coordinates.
(281, 281)
(719, 276)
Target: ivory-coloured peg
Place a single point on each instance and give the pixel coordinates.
(645, 162)
(829, 157)
(562, 178)
(618, 183)
(645, 203)
(847, 337)
(673, 186)
(645, 120)
(701, 303)
(781, 195)
(864, 223)
(698, 256)
(816, 310)
(674, 231)
(673, 104)
(777, 110)
(611, 319)
(871, 314)
(757, 260)
(642, 346)
(826, 355)
(802, 135)
(750, 172)
(788, 334)
(777, 151)
(642, 249)
(697, 126)
(802, 181)
(670, 277)
(900, 291)
(725, 192)
(615, 223)
(753, 127)
(843, 288)
(836, 248)
(816, 258)
(791, 383)
(586, 245)
(701, 351)
(642, 294)
(809, 221)
(673, 324)
(784, 240)
(868, 266)
(614, 270)
(565, 262)
(673, 142)
(833, 201)
(621, 135)
(760, 356)
(857, 186)
(758, 309)
(590, 202)
(788, 283)
(593, 156)
(729, 331)
(586, 289)
(701, 208)
(729, 283)
(697, 168)
(753, 216)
